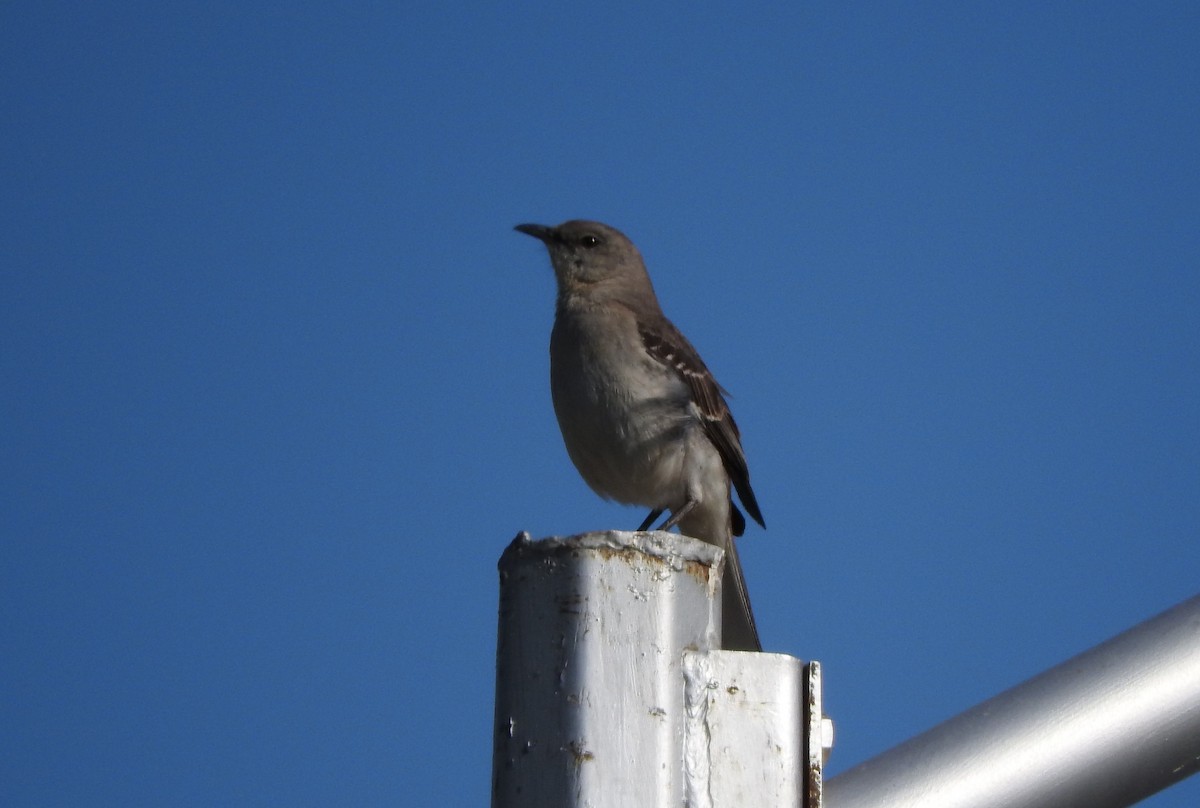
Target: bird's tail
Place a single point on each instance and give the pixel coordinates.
(738, 631)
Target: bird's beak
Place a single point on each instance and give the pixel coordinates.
(538, 231)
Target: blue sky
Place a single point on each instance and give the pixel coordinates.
(276, 363)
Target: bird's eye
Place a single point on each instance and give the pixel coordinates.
(589, 241)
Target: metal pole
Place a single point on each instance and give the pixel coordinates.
(612, 690)
(1105, 729)
(590, 700)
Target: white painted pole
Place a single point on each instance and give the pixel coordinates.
(610, 693)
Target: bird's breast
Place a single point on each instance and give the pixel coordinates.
(622, 414)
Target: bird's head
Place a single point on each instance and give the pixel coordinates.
(588, 256)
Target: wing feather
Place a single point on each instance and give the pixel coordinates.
(666, 344)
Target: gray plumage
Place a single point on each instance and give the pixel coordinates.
(643, 419)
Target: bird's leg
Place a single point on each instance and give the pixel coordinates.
(654, 514)
(679, 514)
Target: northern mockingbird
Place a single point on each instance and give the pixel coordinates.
(643, 419)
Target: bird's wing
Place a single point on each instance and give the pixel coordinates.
(666, 344)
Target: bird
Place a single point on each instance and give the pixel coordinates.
(643, 419)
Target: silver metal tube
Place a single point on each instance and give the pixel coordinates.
(1105, 729)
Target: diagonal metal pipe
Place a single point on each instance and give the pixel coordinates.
(1104, 729)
